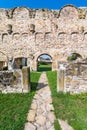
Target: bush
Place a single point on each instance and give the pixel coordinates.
(74, 56)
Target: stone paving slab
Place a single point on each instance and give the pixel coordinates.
(64, 125)
(41, 115)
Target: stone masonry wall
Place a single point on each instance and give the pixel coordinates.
(73, 78)
(11, 82)
(76, 78)
(17, 81)
(25, 32)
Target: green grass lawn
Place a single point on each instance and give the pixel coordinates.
(44, 68)
(72, 108)
(14, 107)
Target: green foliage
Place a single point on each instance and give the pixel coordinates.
(73, 57)
(14, 107)
(69, 107)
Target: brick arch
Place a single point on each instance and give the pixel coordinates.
(75, 10)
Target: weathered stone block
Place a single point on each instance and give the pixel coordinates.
(10, 82)
(26, 78)
(61, 78)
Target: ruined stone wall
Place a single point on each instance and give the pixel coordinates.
(73, 78)
(17, 81)
(25, 32)
(76, 78)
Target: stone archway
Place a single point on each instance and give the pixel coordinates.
(44, 62)
(53, 55)
(74, 56)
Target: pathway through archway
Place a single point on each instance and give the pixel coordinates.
(44, 63)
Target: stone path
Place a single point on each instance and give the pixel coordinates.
(41, 115)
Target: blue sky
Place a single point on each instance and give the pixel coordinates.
(45, 56)
(50, 4)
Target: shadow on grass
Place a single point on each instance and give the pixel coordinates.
(37, 86)
(33, 86)
(34, 80)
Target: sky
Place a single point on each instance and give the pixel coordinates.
(45, 56)
(50, 4)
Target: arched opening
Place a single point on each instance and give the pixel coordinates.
(19, 62)
(44, 62)
(74, 56)
(3, 61)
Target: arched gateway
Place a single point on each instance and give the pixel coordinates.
(44, 62)
(31, 32)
